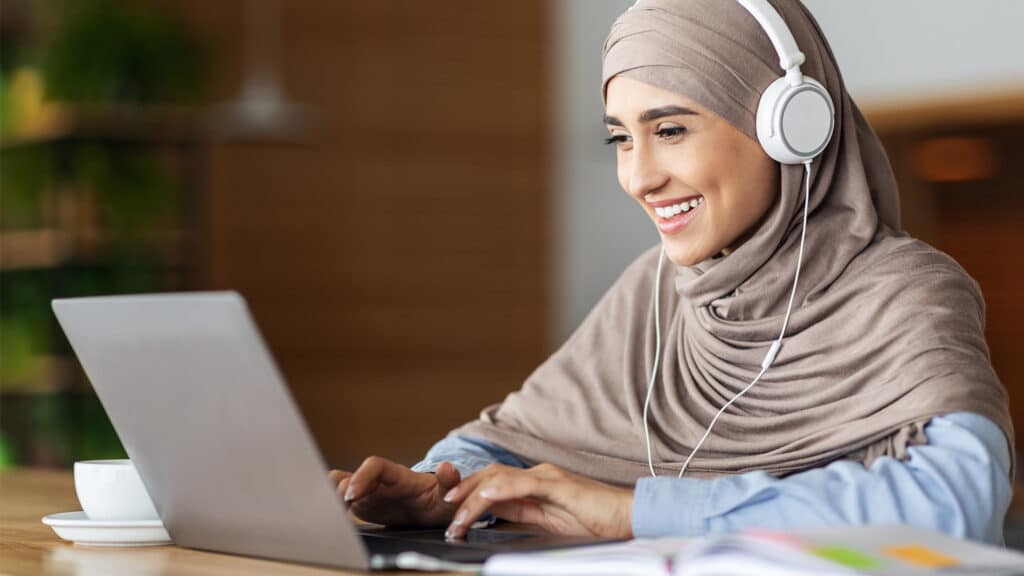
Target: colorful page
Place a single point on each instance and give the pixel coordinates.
(876, 550)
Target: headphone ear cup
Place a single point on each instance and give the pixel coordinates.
(795, 123)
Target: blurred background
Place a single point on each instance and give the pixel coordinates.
(412, 196)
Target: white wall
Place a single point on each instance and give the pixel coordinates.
(911, 49)
(597, 229)
(887, 49)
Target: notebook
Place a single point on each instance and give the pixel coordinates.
(876, 550)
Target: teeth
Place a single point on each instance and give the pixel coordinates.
(670, 211)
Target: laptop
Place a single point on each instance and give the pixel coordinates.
(206, 417)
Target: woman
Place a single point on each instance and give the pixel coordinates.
(881, 405)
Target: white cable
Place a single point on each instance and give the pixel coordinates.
(769, 357)
(657, 355)
(774, 350)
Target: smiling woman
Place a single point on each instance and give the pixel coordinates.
(710, 182)
(876, 404)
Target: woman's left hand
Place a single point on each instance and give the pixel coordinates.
(545, 496)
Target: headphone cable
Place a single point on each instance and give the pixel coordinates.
(768, 359)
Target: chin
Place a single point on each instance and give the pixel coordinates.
(683, 255)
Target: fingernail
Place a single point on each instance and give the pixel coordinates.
(450, 495)
(488, 493)
(350, 493)
(449, 535)
(459, 519)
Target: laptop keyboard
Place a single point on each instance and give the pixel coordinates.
(384, 548)
(476, 536)
(384, 545)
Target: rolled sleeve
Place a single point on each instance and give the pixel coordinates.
(468, 455)
(669, 507)
(958, 483)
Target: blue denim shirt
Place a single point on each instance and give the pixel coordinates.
(957, 483)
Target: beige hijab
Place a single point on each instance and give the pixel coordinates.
(886, 331)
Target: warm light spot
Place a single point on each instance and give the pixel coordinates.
(30, 112)
(955, 159)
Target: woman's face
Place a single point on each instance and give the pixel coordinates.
(703, 183)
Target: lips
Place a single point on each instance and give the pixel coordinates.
(673, 201)
(677, 219)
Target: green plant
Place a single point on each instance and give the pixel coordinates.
(24, 323)
(125, 53)
(8, 455)
(108, 53)
(135, 190)
(5, 104)
(26, 174)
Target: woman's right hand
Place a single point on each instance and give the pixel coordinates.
(383, 492)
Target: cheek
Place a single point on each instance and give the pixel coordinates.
(747, 196)
(762, 185)
(740, 185)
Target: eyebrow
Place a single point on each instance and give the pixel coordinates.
(653, 114)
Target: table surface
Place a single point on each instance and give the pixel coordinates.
(29, 547)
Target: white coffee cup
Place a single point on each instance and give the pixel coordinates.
(112, 490)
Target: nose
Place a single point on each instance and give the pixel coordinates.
(646, 175)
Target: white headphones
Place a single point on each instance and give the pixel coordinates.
(795, 121)
(795, 116)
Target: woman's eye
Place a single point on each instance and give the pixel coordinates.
(670, 131)
(664, 133)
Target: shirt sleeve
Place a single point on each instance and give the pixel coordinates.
(958, 483)
(468, 455)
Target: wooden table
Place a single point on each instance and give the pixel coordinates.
(28, 547)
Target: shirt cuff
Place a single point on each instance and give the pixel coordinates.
(465, 465)
(668, 506)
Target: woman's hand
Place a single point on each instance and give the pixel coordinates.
(384, 492)
(545, 496)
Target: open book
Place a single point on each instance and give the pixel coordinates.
(880, 550)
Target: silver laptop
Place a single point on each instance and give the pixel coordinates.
(203, 412)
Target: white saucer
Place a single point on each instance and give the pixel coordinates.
(78, 528)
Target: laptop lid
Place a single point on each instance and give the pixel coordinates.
(206, 417)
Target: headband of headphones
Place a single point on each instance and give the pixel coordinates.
(795, 116)
(790, 56)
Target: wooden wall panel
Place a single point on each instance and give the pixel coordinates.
(395, 257)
